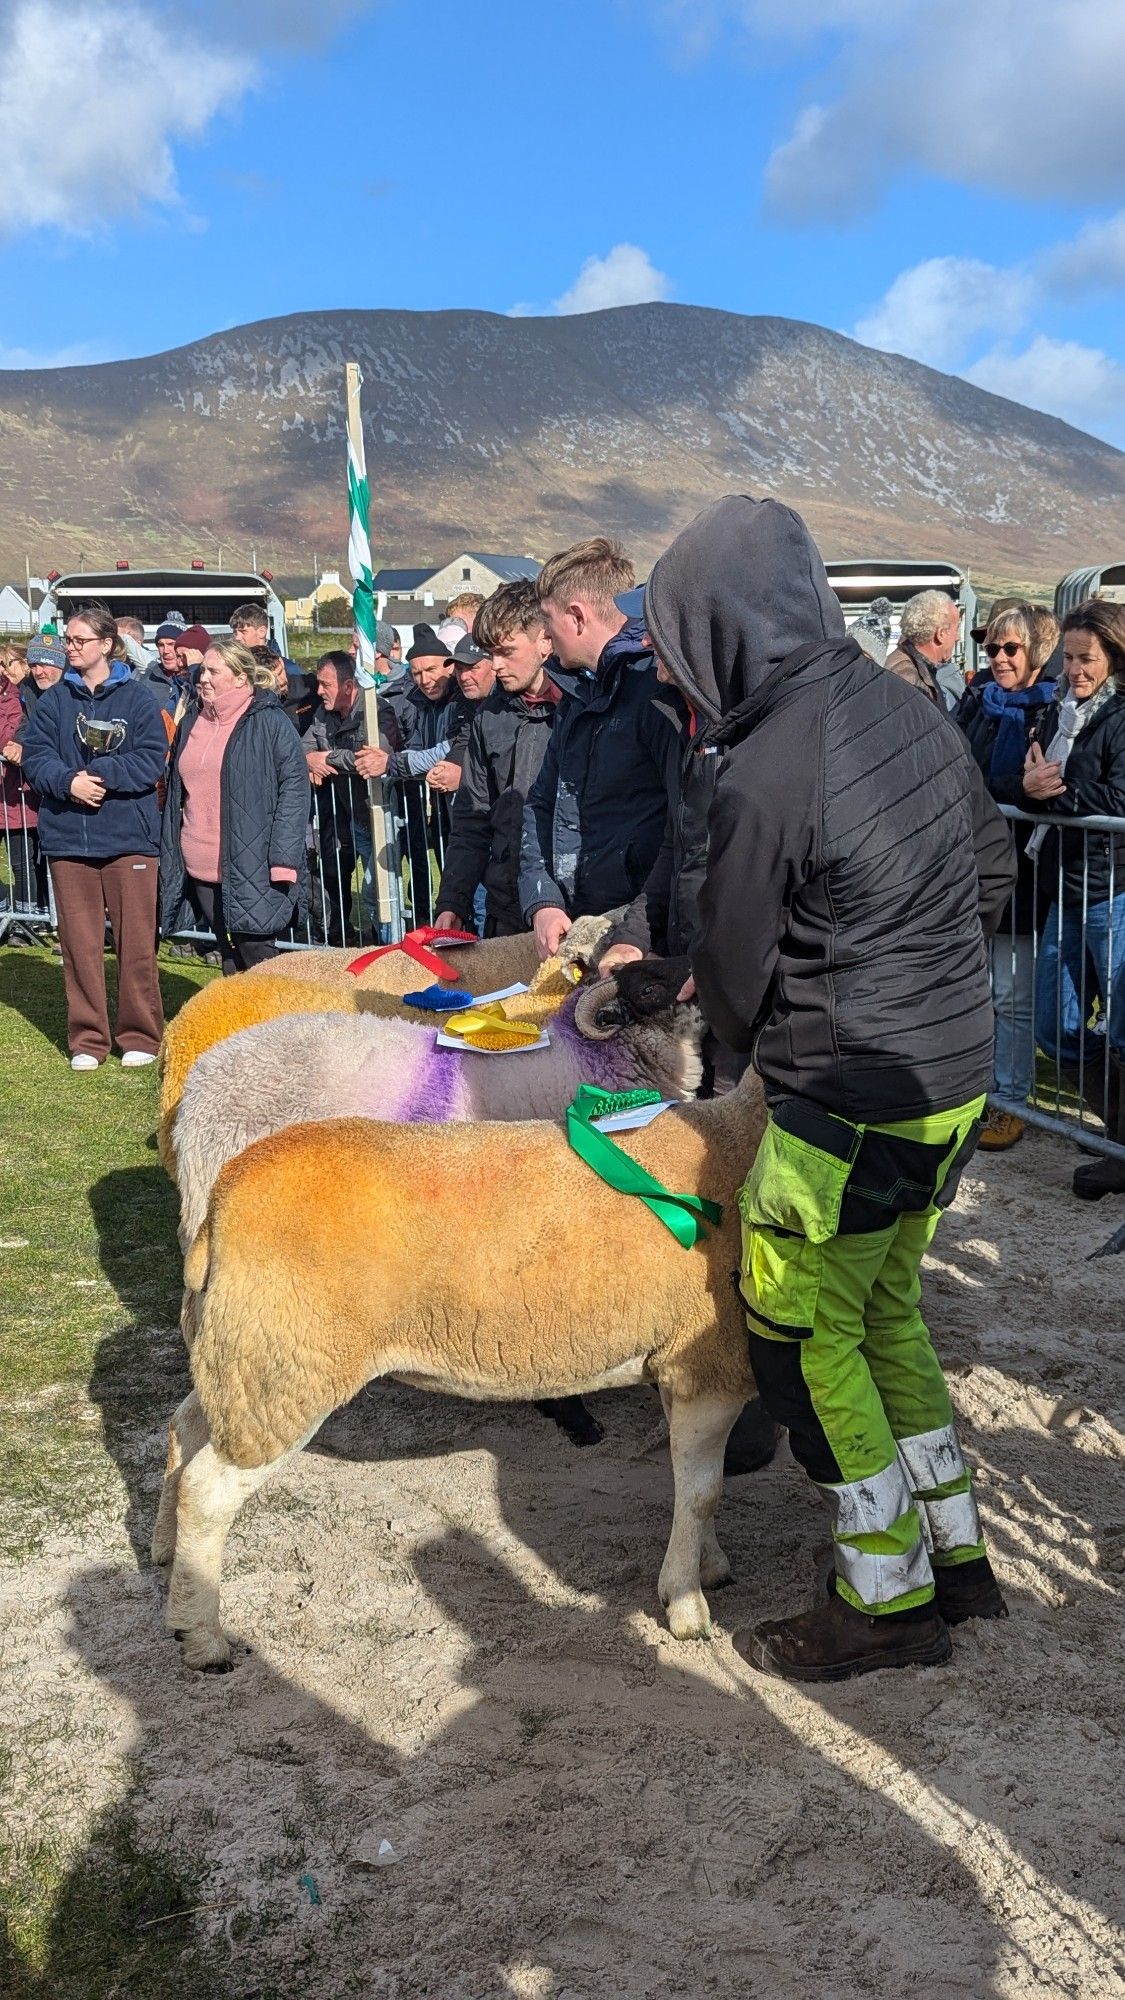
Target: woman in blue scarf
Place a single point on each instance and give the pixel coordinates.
(999, 715)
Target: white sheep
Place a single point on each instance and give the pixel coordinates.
(559, 1286)
(302, 1067)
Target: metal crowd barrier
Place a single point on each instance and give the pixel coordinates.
(1058, 993)
(1055, 988)
(341, 900)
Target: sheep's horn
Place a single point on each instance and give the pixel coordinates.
(598, 1013)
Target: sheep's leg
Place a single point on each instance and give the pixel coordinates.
(699, 1427)
(211, 1492)
(187, 1434)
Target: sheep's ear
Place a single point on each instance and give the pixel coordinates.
(598, 1012)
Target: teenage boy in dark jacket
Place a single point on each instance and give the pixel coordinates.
(596, 813)
(508, 737)
(854, 865)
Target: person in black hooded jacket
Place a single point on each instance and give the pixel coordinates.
(854, 863)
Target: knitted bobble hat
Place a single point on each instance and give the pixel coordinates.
(872, 630)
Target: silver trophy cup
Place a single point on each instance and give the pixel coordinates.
(101, 737)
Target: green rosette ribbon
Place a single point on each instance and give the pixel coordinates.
(686, 1215)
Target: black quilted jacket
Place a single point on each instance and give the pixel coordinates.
(264, 808)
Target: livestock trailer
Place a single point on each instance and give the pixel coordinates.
(204, 596)
(857, 583)
(1107, 582)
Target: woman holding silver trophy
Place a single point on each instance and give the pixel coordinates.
(95, 752)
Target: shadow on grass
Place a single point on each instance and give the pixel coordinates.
(31, 983)
(140, 1371)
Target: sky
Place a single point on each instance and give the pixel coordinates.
(940, 178)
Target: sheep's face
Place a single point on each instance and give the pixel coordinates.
(664, 1034)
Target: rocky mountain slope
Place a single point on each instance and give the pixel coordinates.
(522, 434)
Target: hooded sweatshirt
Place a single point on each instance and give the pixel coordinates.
(853, 853)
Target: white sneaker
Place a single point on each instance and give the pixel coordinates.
(84, 1061)
(136, 1059)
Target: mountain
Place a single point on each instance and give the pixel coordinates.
(524, 434)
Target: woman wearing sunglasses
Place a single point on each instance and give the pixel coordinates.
(1075, 767)
(999, 714)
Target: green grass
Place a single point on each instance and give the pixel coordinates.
(88, 1269)
(91, 1364)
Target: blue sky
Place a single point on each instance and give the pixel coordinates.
(943, 178)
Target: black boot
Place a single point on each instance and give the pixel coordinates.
(752, 1442)
(572, 1417)
(836, 1642)
(968, 1590)
(1105, 1175)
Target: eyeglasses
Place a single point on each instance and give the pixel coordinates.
(1009, 649)
(72, 639)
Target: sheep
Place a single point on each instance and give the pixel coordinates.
(559, 1286)
(223, 1006)
(480, 968)
(302, 1068)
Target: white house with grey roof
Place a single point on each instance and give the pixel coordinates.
(432, 589)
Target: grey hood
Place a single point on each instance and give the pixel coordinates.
(741, 589)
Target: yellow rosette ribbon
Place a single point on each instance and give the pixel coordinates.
(488, 1027)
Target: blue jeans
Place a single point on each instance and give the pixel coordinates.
(1059, 989)
(1013, 1005)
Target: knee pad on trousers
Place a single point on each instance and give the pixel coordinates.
(782, 1387)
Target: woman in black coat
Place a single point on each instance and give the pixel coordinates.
(1076, 768)
(233, 839)
(1000, 715)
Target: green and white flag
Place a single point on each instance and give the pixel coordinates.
(359, 540)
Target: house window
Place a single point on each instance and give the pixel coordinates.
(466, 575)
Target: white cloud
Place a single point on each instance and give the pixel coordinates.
(1035, 112)
(92, 97)
(1094, 262)
(933, 311)
(626, 276)
(1064, 378)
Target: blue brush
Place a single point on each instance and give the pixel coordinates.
(438, 1000)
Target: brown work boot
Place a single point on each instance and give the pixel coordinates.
(835, 1642)
(968, 1590)
(1000, 1130)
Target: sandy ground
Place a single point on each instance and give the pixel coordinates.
(449, 1639)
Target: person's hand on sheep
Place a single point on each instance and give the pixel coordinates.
(444, 777)
(447, 921)
(550, 927)
(617, 956)
(371, 763)
(687, 990)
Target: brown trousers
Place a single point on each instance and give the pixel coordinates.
(85, 892)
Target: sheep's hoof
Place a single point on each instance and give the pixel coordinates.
(689, 1618)
(206, 1652)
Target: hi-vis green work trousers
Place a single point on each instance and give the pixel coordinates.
(835, 1220)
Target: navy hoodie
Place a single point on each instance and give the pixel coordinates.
(128, 819)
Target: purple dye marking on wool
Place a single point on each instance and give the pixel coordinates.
(607, 1065)
(437, 1096)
